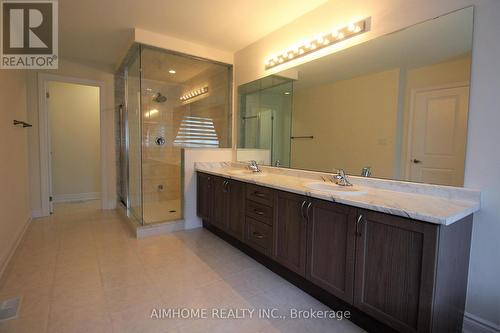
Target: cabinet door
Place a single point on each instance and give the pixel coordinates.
(236, 209)
(204, 196)
(395, 264)
(331, 244)
(290, 231)
(219, 213)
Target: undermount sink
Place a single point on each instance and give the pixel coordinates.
(336, 189)
(244, 172)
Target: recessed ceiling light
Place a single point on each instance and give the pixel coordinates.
(172, 71)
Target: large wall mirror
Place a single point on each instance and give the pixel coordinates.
(397, 104)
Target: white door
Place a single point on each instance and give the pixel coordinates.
(438, 136)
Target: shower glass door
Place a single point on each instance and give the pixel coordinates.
(172, 101)
(134, 130)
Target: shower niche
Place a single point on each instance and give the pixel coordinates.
(169, 101)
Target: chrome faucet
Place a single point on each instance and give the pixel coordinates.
(252, 165)
(366, 172)
(341, 178)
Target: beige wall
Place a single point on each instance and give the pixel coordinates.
(78, 70)
(74, 134)
(353, 123)
(483, 298)
(14, 197)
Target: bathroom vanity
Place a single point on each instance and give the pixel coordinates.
(396, 257)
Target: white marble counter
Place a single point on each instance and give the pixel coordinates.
(424, 202)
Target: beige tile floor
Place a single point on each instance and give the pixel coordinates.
(82, 271)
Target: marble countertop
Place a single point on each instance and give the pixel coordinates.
(429, 203)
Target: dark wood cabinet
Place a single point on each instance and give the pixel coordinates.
(204, 196)
(395, 261)
(227, 198)
(220, 203)
(259, 235)
(330, 247)
(394, 273)
(290, 231)
(236, 208)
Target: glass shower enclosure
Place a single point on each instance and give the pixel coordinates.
(168, 101)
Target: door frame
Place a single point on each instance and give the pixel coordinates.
(44, 137)
(409, 142)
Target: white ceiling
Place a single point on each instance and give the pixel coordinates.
(430, 42)
(99, 30)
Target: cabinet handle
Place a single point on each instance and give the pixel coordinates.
(259, 194)
(302, 209)
(308, 209)
(258, 235)
(358, 223)
(224, 186)
(258, 212)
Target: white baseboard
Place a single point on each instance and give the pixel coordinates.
(5, 264)
(76, 197)
(36, 213)
(475, 324)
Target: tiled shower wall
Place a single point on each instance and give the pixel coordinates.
(161, 165)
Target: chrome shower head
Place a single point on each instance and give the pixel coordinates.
(159, 98)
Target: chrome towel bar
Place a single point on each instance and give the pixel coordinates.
(19, 122)
(302, 137)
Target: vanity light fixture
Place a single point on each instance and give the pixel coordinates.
(194, 93)
(319, 42)
(172, 71)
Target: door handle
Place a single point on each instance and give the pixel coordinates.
(358, 223)
(259, 194)
(302, 209)
(308, 209)
(258, 212)
(416, 161)
(258, 235)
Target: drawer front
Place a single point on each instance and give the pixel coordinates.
(259, 212)
(258, 235)
(263, 195)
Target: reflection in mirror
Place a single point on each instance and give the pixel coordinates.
(396, 104)
(265, 119)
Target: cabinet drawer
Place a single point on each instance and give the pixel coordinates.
(263, 195)
(258, 235)
(259, 212)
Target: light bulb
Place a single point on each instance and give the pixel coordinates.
(351, 27)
